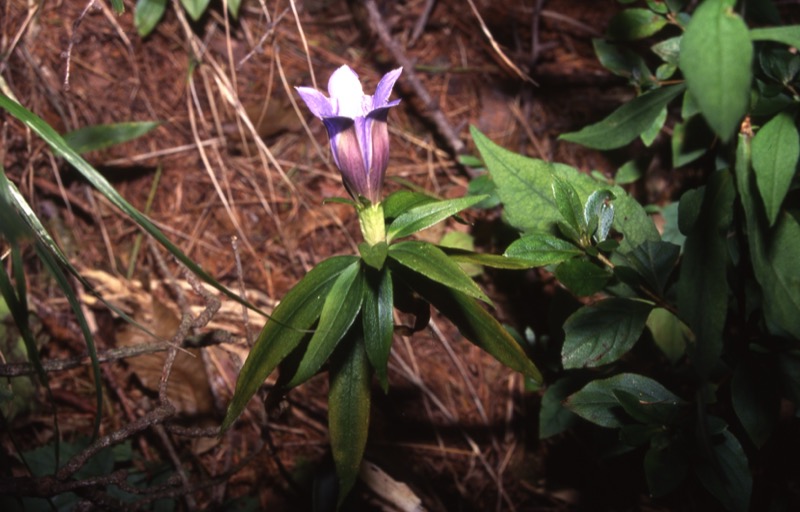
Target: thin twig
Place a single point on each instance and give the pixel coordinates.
(436, 115)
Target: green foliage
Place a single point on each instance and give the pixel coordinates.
(149, 12)
(710, 307)
(101, 136)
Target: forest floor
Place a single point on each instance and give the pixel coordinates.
(236, 156)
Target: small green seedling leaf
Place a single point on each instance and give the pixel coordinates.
(602, 333)
(195, 8)
(148, 14)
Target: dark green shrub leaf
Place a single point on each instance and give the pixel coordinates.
(426, 215)
(716, 60)
(377, 313)
(636, 23)
(583, 278)
(669, 333)
(525, 187)
(649, 135)
(101, 136)
(776, 149)
(195, 8)
(627, 122)
(601, 333)
(773, 252)
(540, 249)
(703, 284)
(623, 62)
(554, 418)
(727, 474)
(653, 261)
(569, 205)
(348, 411)
(690, 141)
(433, 263)
(779, 64)
(788, 35)
(657, 413)
(339, 311)
(597, 402)
(289, 323)
(148, 14)
(665, 468)
(755, 399)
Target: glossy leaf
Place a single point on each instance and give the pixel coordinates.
(398, 203)
(775, 149)
(289, 324)
(463, 243)
(378, 321)
(773, 252)
(651, 412)
(431, 262)
(703, 283)
(627, 122)
(195, 8)
(148, 14)
(525, 187)
(582, 277)
(348, 411)
(570, 207)
(540, 249)
(463, 257)
(716, 60)
(101, 136)
(426, 215)
(474, 323)
(374, 255)
(597, 402)
(636, 23)
(599, 214)
(654, 262)
(339, 311)
(669, 49)
(602, 333)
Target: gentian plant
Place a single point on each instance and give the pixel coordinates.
(341, 312)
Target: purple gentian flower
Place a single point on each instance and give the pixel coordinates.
(356, 124)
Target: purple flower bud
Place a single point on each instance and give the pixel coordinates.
(356, 124)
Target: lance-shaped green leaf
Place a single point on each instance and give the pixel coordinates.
(487, 260)
(773, 251)
(101, 136)
(379, 321)
(433, 263)
(598, 403)
(788, 35)
(627, 122)
(776, 149)
(474, 323)
(290, 321)
(426, 215)
(525, 187)
(339, 311)
(398, 203)
(703, 283)
(540, 249)
(716, 60)
(148, 14)
(600, 334)
(99, 182)
(348, 410)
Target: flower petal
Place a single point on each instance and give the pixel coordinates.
(378, 141)
(347, 154)
(347, 95)
(316, 102)
(384, 89)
